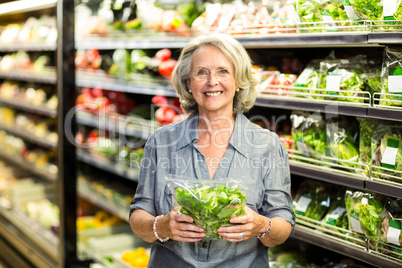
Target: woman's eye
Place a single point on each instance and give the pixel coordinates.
(223, 72)
(202, 72)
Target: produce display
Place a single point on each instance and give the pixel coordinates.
(45, 212)
(312, 200)
(21, 60)
(41, 30)
(136, 258)
(210, 203)
(391, 77)
(37, 95)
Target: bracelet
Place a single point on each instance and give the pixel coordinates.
(267, 231)
(156, 234)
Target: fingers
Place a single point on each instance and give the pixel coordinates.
(182, 228)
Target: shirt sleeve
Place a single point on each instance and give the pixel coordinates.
(277, 198)
(144, 195)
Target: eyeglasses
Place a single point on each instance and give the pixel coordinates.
(204, 74)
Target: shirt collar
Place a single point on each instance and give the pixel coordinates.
(237, 141)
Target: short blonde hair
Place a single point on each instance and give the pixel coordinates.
(235, 52)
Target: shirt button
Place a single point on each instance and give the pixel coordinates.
(204, 245)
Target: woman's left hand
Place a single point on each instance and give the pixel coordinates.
(244, 226)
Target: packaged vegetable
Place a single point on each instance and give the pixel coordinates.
(391, 227)
(309, 133)
(386, 144)
(343, 140)
(312, 200)
(344, 78)
(309, 15)
(391, 77)
(365, 213)
(368, 10)
(337, 215)
(211, 203)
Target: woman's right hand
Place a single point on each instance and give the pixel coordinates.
(180, 227)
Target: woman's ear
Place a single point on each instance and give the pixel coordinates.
(188, 85)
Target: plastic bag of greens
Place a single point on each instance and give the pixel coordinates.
(211, 203)
(308, 132)
(309, 15)
(309, 79)
(391, 227)
(391, 77)
(343, 140)
(334, 11)
(365, 213)
(367, 128)
(368, 10)
(312, 200)
(345, 75)
(386, 144)
(337, 215)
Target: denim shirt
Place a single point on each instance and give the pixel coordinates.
(254, 155)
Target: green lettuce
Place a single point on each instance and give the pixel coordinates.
(211, 206)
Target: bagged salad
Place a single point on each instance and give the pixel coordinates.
(343, 140)
(211, 203)
(391, 77)
(391, 227)
(386, 145)
(337, 215)
(308, 132)
(366, 212)
(312, 200)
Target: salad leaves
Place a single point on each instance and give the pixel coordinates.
(211, 206)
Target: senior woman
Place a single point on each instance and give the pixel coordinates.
(215, 82)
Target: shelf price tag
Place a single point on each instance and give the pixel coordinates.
(335, 215)
(389, 157)
(302, 205)
(334, 80)
(394, 231)
(349, 10)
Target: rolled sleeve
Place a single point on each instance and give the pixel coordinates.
(144, 195)
(277, 199)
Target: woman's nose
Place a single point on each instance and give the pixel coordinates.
(212, 80)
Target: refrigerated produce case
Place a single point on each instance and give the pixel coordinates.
(71, 82)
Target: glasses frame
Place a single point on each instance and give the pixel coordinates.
(209, 75)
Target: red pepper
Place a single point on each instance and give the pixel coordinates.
(163, 55)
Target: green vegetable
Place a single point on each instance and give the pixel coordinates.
(368, 9)
(309, 11)
(312, 200)
(211, 206)
(368, 210)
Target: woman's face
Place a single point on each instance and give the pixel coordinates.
(215, 88)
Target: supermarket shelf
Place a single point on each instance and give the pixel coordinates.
(134, 41)
(27, 47)
(42, 141)
(24, 164)
(305, 40)
(38, 245)
(28, 107)
(323, 240)
(109, 166)
(22, 6)
(103, 203)
(330, 107)
(125, 126)
(385, 38)
(387, 114)
(327, 174)
(46, 77)
(109, 83)
(384, 187)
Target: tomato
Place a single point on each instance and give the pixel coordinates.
(92, 54)
(166, 67)
(163, 55)
(159, 100)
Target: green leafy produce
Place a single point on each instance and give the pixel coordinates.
(343, 139)
(365, 213)
(392, 69)
(308, 132)
(368, 9)
(309, 12)
(312, 200)
(337, 214)
(211, 206)
(391, 226)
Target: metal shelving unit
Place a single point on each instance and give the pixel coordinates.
(355, 39)
(28, 107)
(46, 77)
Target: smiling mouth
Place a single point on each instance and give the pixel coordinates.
(213, 93)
